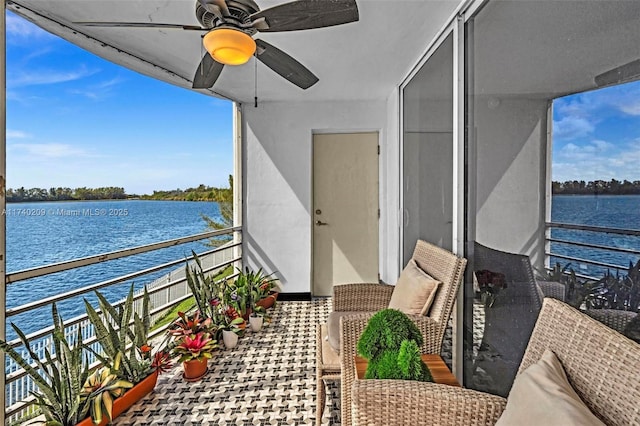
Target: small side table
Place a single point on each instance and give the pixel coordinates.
(439, 370)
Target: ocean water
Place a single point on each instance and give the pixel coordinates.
(50, 232)
(613, 211)
(45, 233)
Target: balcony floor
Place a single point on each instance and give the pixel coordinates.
(268, 379)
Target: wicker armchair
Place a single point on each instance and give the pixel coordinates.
(437, 262)
(613, 318)
(601, 364)
(509, 321)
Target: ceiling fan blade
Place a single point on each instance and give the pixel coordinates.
(142, 25)
(222, 4)
(285, 65)
(207, 73)
(621, 74)
(308, 14)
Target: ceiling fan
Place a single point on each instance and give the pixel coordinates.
(231, 24)
(622, 74)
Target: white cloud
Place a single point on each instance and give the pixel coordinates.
(631, 108)
(597, 160)
(17, 134)
(18, 27)
(100, 90)
(49, 150)
(42, 77)
(572, 127)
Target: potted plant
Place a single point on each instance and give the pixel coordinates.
(490, 284)
(204, 287)
(264, 287)
(60, 379)
(230, 326)
(100, 389)
(122, 335)
(194, 351)
(188, 324)
(390, 343)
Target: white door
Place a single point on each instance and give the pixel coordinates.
(345, 210)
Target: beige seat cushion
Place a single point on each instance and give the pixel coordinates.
(333, 328)
(414, 291)
(330, 358)
(542, 395)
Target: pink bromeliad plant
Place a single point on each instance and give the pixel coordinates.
(197, 346)
(190, 324)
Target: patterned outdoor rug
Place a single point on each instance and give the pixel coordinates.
(268, 379)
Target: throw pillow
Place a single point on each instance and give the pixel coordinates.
(542, 395)
(414, 291)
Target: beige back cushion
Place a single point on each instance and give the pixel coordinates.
(542, 395)
(414, 291)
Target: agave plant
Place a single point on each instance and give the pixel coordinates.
(100, 389)
(59, 379)
(118, 337)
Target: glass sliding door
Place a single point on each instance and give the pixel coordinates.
(520, 56)
(427, 152)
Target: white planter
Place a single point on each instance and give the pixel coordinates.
(256, 323)
(230, 339)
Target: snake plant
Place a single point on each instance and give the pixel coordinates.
(59, 376)
(118, 337)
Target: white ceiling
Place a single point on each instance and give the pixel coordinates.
(357, 61)
(545, 49)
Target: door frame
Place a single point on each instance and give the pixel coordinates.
(312, 194)
(455, 28)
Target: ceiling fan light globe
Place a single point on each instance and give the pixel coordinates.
(229, 46)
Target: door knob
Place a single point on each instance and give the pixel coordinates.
(319, 223)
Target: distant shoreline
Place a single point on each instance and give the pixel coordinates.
(106, 200)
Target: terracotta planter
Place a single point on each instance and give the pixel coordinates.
(130, 397)
(268, 301)
(194, 369)
(242, 326)
(230, 339)
(256, 323)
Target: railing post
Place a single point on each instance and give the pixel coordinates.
(3, 203)
(238, 191)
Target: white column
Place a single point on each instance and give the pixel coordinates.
(237, 178)
(3, 200)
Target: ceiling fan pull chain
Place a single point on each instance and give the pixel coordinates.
(201, 55)
(255, 68)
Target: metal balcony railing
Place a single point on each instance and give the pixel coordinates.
(591, 250)
(165, 293)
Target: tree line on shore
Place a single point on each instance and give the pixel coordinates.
(201, 193)
(211, 193)
(612, 187)
(64, 194)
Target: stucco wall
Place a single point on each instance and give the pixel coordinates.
(277, 180)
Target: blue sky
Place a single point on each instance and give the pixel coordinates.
(74, 119)
(596, 135)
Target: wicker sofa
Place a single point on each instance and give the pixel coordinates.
(601, 366)
(441, 264)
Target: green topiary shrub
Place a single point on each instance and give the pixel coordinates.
(391, 343)
(410, 363)
(386, 330)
